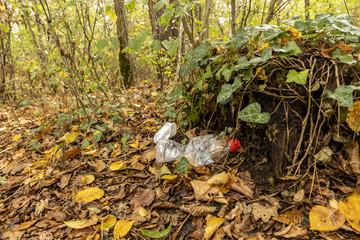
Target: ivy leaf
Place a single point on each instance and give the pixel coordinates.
(154, 234)
(252, 113)
(171, 46)
(298, 77)
(248, 74)
(170, 113)
(183, 166)
(163, 170)
(242, 63)
(225, 94)
(345, 59)
(240, 41)
(290, 49)
(186, 68)
(208, 73)
(227, 73)
(97, 136)
(175, 94)
(266, 54)
(115, 42)
(271, 34)
(344, 94)
(237, 83)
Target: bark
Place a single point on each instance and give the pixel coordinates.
(233, 17)
(271, 11)
(5, 54)
(123, 35)
(307, 3)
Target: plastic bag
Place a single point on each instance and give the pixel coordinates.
(200, 151)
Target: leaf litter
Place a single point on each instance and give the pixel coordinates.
(98, 178)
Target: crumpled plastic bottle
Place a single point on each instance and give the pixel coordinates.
(200, 151)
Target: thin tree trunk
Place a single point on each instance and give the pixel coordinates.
(271, 11)
(307, 3)
(233, 17)
(123, 34)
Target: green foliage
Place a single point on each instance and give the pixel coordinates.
(344, 94)
(252, 113)
(183, 166)
(154, 234)
(228, 67)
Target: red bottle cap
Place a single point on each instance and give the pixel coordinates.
(234, 145)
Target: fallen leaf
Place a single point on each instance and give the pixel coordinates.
(142, 212)
(26, 225)
(68, 138)
(16, 137)
(347, 49)
(350, 207)
(263, 212)
(204, 192)
(107, 222)
(156, 234)
(135, 144)
(353, 117)
(142, 198)
(80, 224)
(325, 218)
(299, 196)
(219, 179)
(199, 210)
(212, 225)
(89, 195)
(116, 166)
(71, 153)
(293, 217)
(122, 227)
(87, 179)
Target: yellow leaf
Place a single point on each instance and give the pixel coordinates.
(68, 138)
(294, 33)
(115, 153)
(75, 128)
(89, 153)
(353, 117)
(122, 228)
(266, 45)
(116, 166)
(82, 223)
(169, 176)
(89, 195)
(39, 164)
(142, 212)
(135, 158)
(350, 207)
(219, 179)
(87, 179)
(107, 222)
(212, 225)
(325, 219)
(16, 137)
(135, 144)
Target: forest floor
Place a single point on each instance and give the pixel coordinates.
(63, 176)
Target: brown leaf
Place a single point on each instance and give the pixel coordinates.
(263, 212)
(204, 192)
(198, 211)
(347, 49)
(165, 205)
(299, 196)
(291, 232)
(142, 198)
(148, 156)
(26, 225)
(293, 217)
(241, 187)
(57, 214)
(71, 153)
(100, 165)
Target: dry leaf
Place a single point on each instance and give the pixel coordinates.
(198, 211)
(142, 198)
(89, 195)
(219, 179)
(82, 223)
(212, 225)
(142, 212)
(353, 117)
(204, 192)
(135, 144)
(87, 179)
(347, 49)
(235, 212)
(299, 196)
(325, 219)
(291, 232)
(242, 188)
(350, 207)
(26, 225)
(165, 205)
(71, 153)
(122, 227)
(263, 212)
(293, 217)
(148, 156)
(100, 165)
(68, 138)
(16, 137)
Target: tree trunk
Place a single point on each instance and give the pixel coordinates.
(271, 11)
(307, 3)
(5, 68)
(233, 17)
(123, 34)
